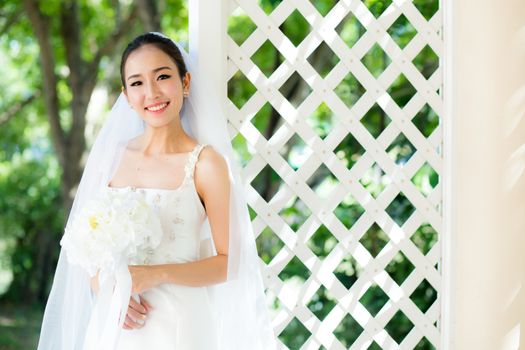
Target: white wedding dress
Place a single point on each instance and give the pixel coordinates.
(181, 318)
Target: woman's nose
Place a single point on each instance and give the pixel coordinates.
(152, 90)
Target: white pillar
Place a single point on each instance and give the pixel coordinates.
(207, 40)
(484, 246)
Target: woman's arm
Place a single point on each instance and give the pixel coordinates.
(199, 273)
(213, 185)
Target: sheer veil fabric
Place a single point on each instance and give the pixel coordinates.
(239, 305)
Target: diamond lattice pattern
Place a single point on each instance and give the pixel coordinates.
(334, 110)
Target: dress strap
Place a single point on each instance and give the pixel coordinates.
(193, 157)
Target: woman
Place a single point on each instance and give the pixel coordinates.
(200, 289)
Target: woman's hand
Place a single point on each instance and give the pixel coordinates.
(137, 313)
(143, 277)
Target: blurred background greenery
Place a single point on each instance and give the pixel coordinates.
(59, 62)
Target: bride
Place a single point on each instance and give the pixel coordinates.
(200, 288)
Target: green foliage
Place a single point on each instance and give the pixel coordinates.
(322, 120)
(350, 29)
(349, 90)
(268, 245)
(19, 326)
(349, 151)
(428, 8)
(295, 334)
(29, 174)
(402, 31)
(242, 151)
(31, 214)
(377, 7)
(322, 303)
(269, 5)
(348, 331)
(240, 26)
(376, 60)
(295, 213)
(240, 88)
(322, 242)
(295, 27)
(260, 58)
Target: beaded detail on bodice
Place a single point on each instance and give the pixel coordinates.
(181, 214)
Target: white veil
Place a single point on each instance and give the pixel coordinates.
(239, 303)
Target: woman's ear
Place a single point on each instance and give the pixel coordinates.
(187, 79)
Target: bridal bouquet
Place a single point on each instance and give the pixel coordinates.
(111, 229)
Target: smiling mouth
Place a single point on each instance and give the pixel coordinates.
(158, 107)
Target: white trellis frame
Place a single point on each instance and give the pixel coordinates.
(221, 57)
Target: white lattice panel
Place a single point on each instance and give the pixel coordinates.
(294, 300)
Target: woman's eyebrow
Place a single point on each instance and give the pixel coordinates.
(154, 71)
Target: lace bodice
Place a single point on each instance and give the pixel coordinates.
(181, 214)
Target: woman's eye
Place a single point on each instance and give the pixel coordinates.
(135, 83)
(164, 76)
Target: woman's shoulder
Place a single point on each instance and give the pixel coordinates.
(211, 172)
(210, 159)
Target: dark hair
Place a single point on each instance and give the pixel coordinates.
(161, 42)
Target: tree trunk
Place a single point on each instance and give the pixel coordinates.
(149, 15)
(69, 145)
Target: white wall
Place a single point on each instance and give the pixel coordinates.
(485, 142)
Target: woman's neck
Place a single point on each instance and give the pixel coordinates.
(164, 140)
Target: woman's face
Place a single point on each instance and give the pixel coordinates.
(153, 87)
